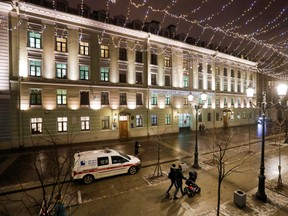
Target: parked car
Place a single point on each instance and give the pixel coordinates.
(96, 164)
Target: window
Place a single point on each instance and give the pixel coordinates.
(185, 81)
(104, 98)
(154, 120)
(250, 76)
(167, 80)
(154, 59)
(61, 71)
(153, 79)
(217, 71)
(239, 102)
(139, 121)
(85, 123)
(232, 87)
(35, 68)
(225, 101)
(167, 61)
(200, 67)
(61, 97)
(232, 73)
(209, 100)
(185, 64)
(104, 51)
(218, 85)
(139, 100)
(217, 116)
(105, 122)
(102, 161)
(238, 88)
(167, 100)
(123, 54)
(154, 99)
(225, 86)
(209, 85)
(84, 98)
(139, 57)
(239, 75)
(167, 119)
(122, 76)
(200, 117)
(35, 97)
(225, 72)
(200, 83)
(118, 159)
(104, 74)
(244, 115)
(35, 40)
(185, 100)
(138, 78)
(123, 100)
(61, 44)
(36, 125)
(209, 69)
(238, 115)
(84, 72)
(217, 102)
(62, 124)
(245, 103)
(84, 48)
(232, 101)
(209, 117)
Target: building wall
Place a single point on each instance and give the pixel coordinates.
(72, 28)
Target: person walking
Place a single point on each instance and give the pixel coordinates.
(171, 176)
(178, 182)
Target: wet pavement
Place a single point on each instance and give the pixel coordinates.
(138, 194)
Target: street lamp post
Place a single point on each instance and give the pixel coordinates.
(197, 107)
(281, 90)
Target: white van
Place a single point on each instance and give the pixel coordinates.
(90, 165)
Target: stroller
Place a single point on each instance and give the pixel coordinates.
(192, 188)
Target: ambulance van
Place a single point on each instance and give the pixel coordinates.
(96, 164)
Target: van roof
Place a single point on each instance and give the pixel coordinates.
(103, 152)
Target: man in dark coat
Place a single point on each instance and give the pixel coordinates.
(178, 181)
(171, 176)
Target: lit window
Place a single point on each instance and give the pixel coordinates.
(167, 119)
(84, 72)
(85, 123)
(185, 81)
(62, 124)
(167, 61)
(35, 68)
(167, 100)
(104, 74)
(35, 40)
(36, 125)
(104, 51)
(154, 120)
(61, 71)
(154, 99)
(61, 44)
(84, 48)
(139, 121)
(61, 97)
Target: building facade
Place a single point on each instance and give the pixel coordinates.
(75, 79)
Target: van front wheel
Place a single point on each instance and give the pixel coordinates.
(87, 179)
(132, 170)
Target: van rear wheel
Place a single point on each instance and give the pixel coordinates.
(132, 170)
(88, 179)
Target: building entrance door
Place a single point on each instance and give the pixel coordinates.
(123, 129)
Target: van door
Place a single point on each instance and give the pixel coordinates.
(118, 164)
(104, 167)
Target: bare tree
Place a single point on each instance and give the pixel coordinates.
(51, 172)
(226, 161)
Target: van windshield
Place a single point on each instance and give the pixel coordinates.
(125, 156)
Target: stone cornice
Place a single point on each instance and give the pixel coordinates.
(5, 7)
(47, 14)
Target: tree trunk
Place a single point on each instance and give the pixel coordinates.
(219, 189)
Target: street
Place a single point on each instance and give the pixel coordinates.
(139, 193)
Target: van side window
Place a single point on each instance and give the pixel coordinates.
(103, 161)
(118, 159)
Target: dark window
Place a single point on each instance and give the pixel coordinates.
(123, 54)
(209, 117)
(123, 100)
(104, 98)
(84, 98)
(239, 75)
(102, 161)
(209, 69)
(139, 57)
(153, 79)
(154, 59)
(138, 78)
(167, 80)
(225, 72)
(139, 99)
(122, 77)
(118, 159)
(35, 97)
(232, 73)
(200, 67)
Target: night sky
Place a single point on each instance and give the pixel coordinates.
(258, 28)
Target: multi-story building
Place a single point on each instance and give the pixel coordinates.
(74, 78)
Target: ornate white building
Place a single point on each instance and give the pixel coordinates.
(79, 80)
